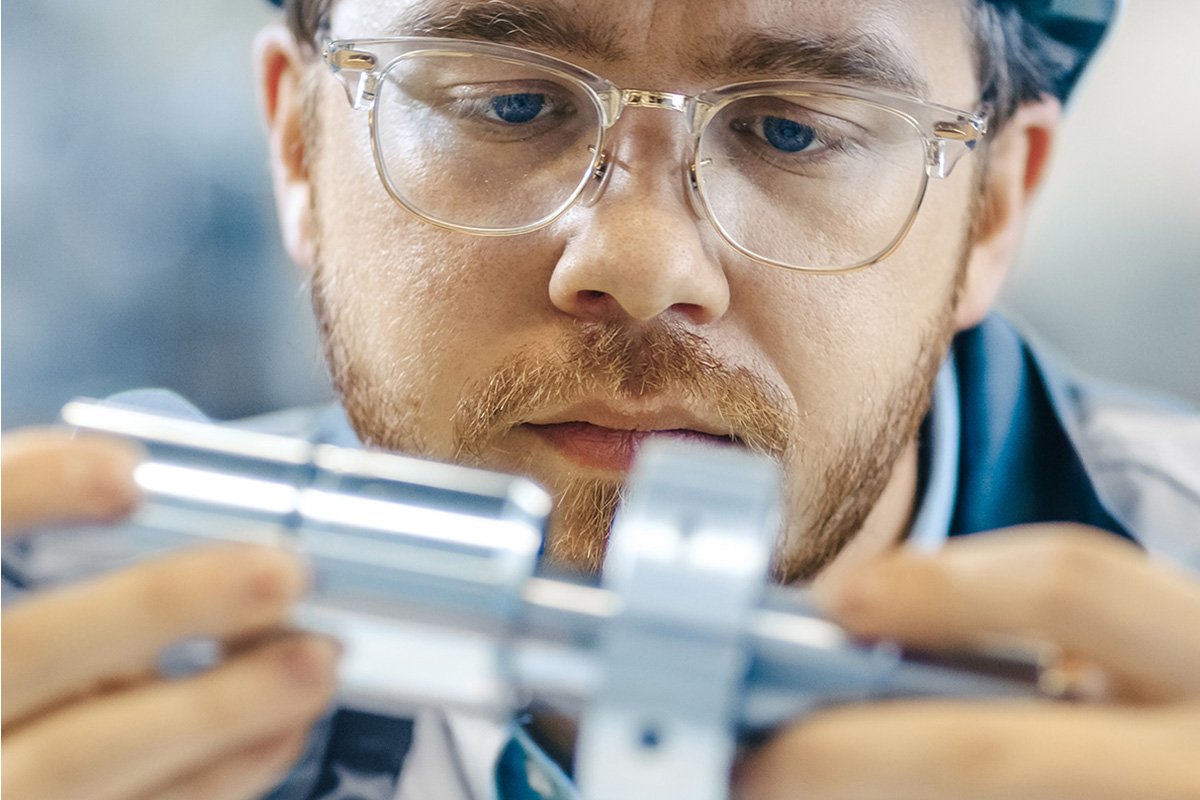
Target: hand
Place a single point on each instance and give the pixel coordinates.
(85, 714)
(1128, 630)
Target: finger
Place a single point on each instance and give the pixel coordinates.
(123, 745)
(241, 774)
(70, 639)
(1023, 752)
(1084, 590)
(51, 477)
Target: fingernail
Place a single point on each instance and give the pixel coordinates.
(312, 661)
(105, 481)
(851, 593)
(275, 578)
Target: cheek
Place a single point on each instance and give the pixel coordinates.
(416, 309)
(844, 344)
(394, 258)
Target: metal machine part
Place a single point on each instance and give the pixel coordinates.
(687, 558)
(418, 567)
(428, 574)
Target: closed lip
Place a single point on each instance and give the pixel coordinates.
(599, 436)
(647, 419)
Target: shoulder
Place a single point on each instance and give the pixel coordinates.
(1140, 451)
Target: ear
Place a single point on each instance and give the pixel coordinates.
(1017, 160)
(281, 76)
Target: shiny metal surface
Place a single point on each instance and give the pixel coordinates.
(427, 573)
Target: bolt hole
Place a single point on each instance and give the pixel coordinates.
(650, 737)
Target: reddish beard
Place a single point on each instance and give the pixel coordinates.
(609, 360)
(600, 360)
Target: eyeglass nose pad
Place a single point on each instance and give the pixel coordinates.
(598, 180)
(692, 190)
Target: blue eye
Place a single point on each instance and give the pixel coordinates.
(518, 108)
(787, 135)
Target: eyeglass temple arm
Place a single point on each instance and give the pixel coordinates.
(954, 139)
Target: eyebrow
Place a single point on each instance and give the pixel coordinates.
(858, 59)
(539, 26)
(543, 25)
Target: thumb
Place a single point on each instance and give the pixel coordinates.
(49, 477)
(1081, 589)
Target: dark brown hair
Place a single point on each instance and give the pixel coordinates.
(1016, 60)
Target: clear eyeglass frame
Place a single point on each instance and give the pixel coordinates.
(360, 65)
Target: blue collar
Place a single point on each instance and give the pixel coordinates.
(931, 524)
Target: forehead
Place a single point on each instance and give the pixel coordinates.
(920, 47)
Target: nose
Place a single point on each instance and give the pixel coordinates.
(638, 251)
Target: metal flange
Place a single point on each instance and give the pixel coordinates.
(687, 560)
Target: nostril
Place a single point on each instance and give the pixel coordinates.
(594, 304)
(588, 305)
(696, 313)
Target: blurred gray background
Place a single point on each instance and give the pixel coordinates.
(1110, 269)
(139, 244)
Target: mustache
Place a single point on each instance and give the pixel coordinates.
(598, 360)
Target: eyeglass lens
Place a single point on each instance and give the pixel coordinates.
(484, 142)
(799, 178)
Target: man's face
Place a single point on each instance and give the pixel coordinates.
(555, 353)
